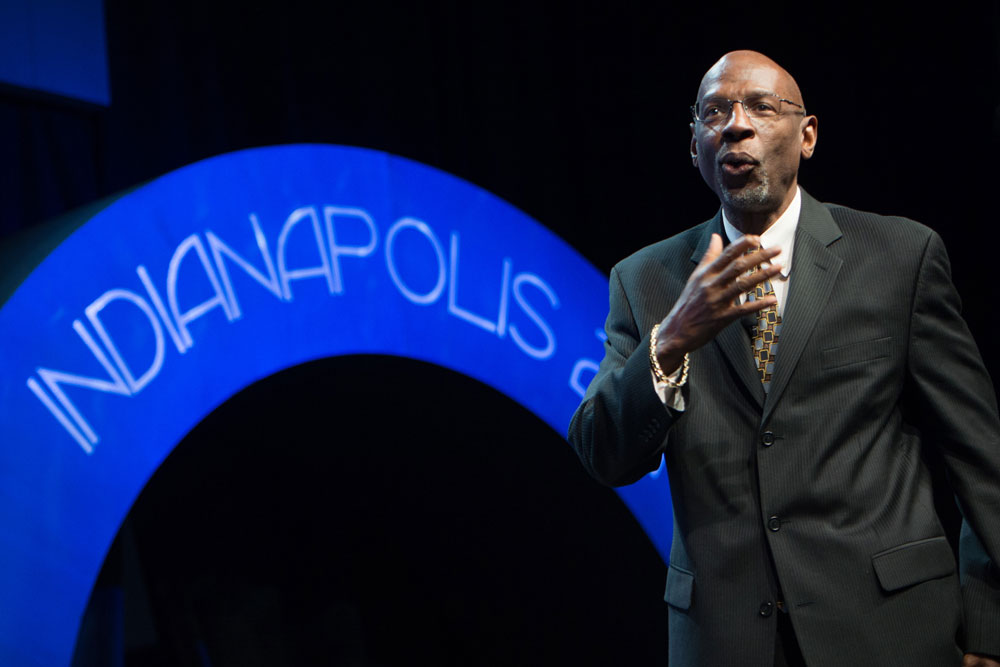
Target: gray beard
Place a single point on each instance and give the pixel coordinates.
(755, 198)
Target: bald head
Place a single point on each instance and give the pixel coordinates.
(751, 66)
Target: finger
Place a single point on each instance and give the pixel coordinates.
(742, 275)
(737, 310)
(743, 270)
(735, 257)
(765, 256)
(749, 307)
(733, 251)
(746, 282)
(762, 255)
(759, 257)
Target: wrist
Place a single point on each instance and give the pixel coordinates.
(665, 360)
(665, 347)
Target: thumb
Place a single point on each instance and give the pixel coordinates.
(713, 251)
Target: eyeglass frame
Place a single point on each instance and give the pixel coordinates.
(694, 107)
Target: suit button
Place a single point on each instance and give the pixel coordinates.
(774, 524)
(767, 438)
(766, 609)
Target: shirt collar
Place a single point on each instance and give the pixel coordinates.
(781, 233)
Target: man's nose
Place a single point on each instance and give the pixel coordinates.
(738, 125)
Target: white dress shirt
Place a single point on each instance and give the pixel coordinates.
(780, 234)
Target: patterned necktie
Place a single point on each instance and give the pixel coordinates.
(764, 332)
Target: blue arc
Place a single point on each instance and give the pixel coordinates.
(183, 292)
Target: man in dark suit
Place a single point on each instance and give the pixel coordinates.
(797, 380)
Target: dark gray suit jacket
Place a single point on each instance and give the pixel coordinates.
(819, 492)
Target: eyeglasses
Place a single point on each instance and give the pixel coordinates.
(715, 111)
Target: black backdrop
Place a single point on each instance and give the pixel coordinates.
(577, 114)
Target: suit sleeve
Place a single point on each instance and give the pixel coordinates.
(620, 427)
(959, 417)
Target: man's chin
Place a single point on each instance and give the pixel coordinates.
(749, 197)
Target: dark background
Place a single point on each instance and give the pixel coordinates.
(259, 543)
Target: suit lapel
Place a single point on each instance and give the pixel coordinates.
(733, 340)
(814, 272)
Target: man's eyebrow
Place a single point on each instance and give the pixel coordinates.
(752, 93)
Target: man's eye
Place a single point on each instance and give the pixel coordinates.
(712, 111)
(764, 108)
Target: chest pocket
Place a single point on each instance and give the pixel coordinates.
(680, 587)
(856, 353)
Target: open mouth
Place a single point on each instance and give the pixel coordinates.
(737, 164)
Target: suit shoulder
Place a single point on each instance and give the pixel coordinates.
(876, 228)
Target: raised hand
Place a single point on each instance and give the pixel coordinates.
(710, 300)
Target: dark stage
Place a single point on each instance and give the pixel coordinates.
(374, 510)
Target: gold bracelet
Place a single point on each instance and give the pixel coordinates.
(655, 363)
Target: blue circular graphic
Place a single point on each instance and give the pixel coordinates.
(183, 292)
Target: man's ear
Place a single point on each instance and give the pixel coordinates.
(810, 133)
(694, 147)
